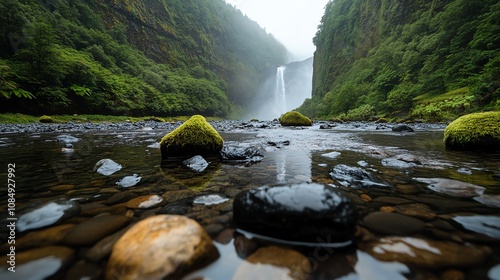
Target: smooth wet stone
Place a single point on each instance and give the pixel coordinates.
(391, 200)
(144, 202)
(120, 197)
(355, 177)
(427, 253)
(62, 188)
(487, 225)
(103, 248)
(40, 263)
(494, 272)
(453, 274)
(397, 163)
(402, 128)
(210, 199)
(452, 187)
(107, 167)
(298, 212)
(490, 200)
(331, 154)
(274, 262)
(416, 210)
(40, 238)
(84, 271)
(46, 215)
(392, 223)
(163, 246)
(93, 230)
(67, 139)
(129, 181)
(196, 163)
(241, 154)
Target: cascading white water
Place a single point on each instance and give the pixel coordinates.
(280, 93)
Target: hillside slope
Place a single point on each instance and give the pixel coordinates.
(395, 58)
(161, 57)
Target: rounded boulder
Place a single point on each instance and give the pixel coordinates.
(305, 212)
(479, 131)
(194, 137)
(294, 118)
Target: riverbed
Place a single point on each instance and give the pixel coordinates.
(415, 177)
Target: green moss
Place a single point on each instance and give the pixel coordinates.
(195, 137)
(45, 119)
(479, 131)
(294, 118)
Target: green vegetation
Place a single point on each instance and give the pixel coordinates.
(294, 118)
(400, 57)
(479, 131)
(159, 57)
(194, 137)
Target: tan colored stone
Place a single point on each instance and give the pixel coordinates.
(453, 274)
(160, 247)
(275, 262)
(387, 209)
(365, 197)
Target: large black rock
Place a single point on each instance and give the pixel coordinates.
(300, 212)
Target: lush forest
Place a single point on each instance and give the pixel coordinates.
(155, 57)
(414, 59)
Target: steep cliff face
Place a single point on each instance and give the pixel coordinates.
(385, 53)
(164, 57)
(209, 33)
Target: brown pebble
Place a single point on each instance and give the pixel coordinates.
(365, 197)
(387, 209)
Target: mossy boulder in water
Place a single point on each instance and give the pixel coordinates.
(479, 131)
(294, 118)
(195, 137)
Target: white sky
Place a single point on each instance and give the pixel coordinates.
(293, 22)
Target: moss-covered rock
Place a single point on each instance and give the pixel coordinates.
(294, 118)
(195, 137)
(45, 119)
(479, 131)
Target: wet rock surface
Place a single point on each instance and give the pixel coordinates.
(299, 212)
(289, 156)
(159, 247)
(46, 215)
(355, 177)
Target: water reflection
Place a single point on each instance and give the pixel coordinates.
(292, 165)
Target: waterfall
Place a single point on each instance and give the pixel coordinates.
(280, 93)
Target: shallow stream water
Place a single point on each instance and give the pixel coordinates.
(46, 171)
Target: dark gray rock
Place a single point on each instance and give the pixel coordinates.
(392, 223)
(241, 154)
(298, 212)
(355, 177)
(402, 128)
(196, 163)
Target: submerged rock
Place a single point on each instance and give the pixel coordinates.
(93, 230)
(46, 215)
(67, 139)
(194, 137)
(294, 118)
(210, 199)
(107, 167)
(298, 212)
(159, 247)
(478, 131)
(452, 187)
(487, 225)
(129, 181)
(392, 223)
(274, 263)
(40, 263)
(196, 163)
(355, 177)
(402, 128)
(241, 154)
(427, 253)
